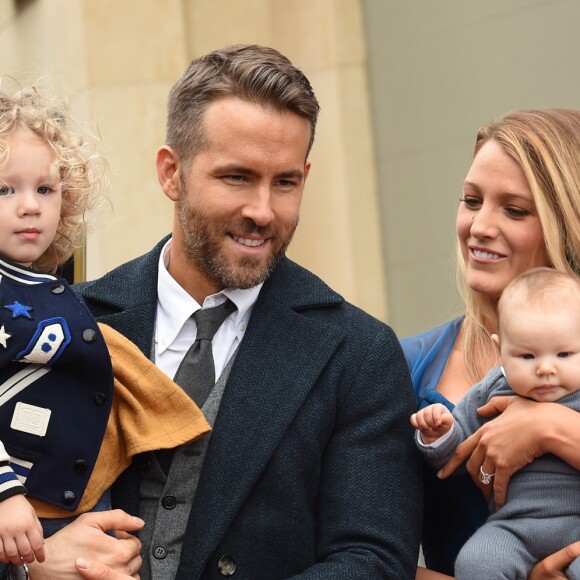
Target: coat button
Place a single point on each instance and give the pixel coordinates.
(160, 552)
(226, 565)
(68, 497)
(89, 335)
(81, 466)
(99, 398)
(169, 502)
(57, 289)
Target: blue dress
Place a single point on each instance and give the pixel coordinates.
(454, 507)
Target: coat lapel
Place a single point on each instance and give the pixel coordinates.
(126, 298)
(272, 375)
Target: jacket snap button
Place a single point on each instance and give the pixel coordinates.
(100, 398)
(68, 497)
(89, 335)
(57, 289)
(81, 466)
(226, 565)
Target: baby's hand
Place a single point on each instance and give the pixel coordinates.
(432, 421)
(21, 538)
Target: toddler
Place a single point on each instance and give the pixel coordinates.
(77, 399)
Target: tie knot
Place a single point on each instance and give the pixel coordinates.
(208, 320)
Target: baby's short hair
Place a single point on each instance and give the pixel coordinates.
(542, 287)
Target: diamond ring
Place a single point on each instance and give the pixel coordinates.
(485, 477)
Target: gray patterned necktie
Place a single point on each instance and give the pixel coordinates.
(196, 373)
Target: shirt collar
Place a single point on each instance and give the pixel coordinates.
(175, 305)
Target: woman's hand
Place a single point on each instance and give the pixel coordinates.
(504, 445)
(552, 567)
(523, 431)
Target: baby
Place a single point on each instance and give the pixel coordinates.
(539, 343)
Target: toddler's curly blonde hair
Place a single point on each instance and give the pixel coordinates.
(81, 171)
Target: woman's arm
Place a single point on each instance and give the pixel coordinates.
(523, 431)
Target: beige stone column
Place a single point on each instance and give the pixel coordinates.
(117, 62)
(339, 234)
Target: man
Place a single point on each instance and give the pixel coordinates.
(310, 469)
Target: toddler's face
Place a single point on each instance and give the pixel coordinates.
(540, 351)
(30, 198)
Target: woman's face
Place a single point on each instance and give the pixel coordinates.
(499, 231)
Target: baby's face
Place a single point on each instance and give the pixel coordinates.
(540, 352)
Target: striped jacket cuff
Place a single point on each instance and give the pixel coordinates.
(9, 483)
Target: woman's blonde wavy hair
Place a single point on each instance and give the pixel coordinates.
(545, 143)
(81, 171)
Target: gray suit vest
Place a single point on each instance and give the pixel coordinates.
(165, 500)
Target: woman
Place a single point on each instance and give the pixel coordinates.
(520, 208)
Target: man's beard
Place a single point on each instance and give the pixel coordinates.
(203, 240)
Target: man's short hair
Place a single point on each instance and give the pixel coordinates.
(256, 74)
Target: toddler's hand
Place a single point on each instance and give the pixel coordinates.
(21, 538)
(432, 421)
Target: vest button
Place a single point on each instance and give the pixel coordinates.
(160, 552)
(99, 398)
(226, 565)
(169, 502)
(81, 466)
(57, 289)
(89, 335)
(68, 497)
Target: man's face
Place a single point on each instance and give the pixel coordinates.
(239, 198)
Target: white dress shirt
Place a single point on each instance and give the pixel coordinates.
(175, 329)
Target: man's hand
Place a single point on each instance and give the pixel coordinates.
(97, 571)
(85, 538)
(552, 567)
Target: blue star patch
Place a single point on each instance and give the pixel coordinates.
(19, 310)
